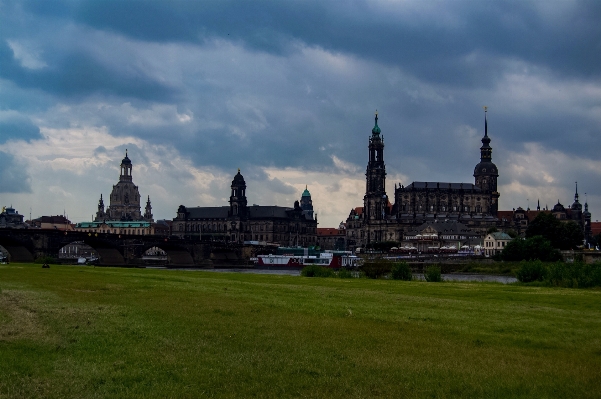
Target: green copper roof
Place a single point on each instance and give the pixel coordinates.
(306, 193)
(376, 129)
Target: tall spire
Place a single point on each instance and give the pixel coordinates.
(485, 150)
(576, 195)
(485, 122)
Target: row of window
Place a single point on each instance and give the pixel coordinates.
(491, 244)
(431, 208)
(117, 231)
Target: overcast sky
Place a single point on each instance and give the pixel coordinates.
(286, 91)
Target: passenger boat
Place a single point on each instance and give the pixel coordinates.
(293, 258)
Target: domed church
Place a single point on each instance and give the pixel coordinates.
(123, 215)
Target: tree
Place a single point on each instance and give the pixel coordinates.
(561, 235)
(532, 248)
(492, 229)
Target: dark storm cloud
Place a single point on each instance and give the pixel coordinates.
(18, 127)
(77, 74)
(13, 178)
(294, 84)
(455, 43)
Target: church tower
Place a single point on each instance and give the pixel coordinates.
(238, 196)
(148, 211)
(100, 215)
(375, 201)
(306, 204)
(486, 172)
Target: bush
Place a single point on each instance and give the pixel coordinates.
(401, 271)
(376, 268)
(531, 271)
(345, 273)
(45, 259)
(574, 275)
(433, 274)
(317, 271)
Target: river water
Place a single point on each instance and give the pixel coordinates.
(446, 277)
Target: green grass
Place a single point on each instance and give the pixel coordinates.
(72, 331)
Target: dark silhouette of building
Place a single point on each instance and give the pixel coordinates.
(474, 205)
(239, 222)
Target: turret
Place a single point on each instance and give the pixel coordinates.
(238, 196)
(100, 215)
(148, 210)
(306, 204)
(126, 168)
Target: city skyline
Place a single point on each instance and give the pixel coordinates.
(286, 92)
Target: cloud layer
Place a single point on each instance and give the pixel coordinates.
(286, 91)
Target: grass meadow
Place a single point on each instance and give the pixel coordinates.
(87, 332)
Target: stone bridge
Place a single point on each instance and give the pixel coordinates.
(25, 245)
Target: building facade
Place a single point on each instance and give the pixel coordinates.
(495, 243)
(238, 222)
(123, 215)
(125, 199)
(437, 237)
(332, 238)
(11, 219)
(474, 205)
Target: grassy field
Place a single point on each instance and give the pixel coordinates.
(73, 331)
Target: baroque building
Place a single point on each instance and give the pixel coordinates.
(238, 222)
(123, 215)
(474, 205)
(125, 199)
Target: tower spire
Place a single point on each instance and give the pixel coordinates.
(485, 150)
(485, 122)
(576, 195)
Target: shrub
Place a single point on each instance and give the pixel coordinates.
(531, 271)
(45, 259)
(574, 275)
(433, 274)
(376, 268)
(401, 271)
(345, 273)
(317, 271)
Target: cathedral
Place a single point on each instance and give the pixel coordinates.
(123, 215)
(474, 205)
(124, 199)
(239, 222)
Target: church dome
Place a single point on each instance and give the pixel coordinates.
(238, 179)
(126, 160)
(486, 168)
(558, 207)
(306, 193)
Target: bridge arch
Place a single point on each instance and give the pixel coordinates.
(18, 250)
(176, 253)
